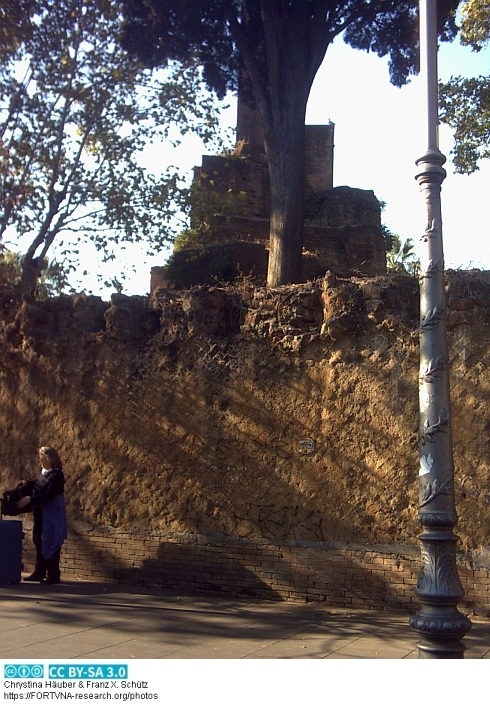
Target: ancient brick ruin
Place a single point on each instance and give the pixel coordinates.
(342, 224)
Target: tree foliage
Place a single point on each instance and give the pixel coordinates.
(76, 112)
(400, 257)
(475, 24)
(52, 279)
(465, 102)
(15, 25)
(274, 49)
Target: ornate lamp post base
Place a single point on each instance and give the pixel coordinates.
(441, 634)
(439, 623)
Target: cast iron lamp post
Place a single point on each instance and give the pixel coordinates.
(439, 623)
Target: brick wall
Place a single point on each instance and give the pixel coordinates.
(247, 177)
(341, 577)
(319, 156)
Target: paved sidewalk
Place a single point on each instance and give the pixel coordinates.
(101, 621)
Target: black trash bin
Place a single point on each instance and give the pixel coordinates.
(10, 552)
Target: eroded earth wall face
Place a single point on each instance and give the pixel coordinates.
(285, 415)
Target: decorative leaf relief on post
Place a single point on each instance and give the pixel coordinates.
(431, 318)
(433, 490)
(439, 574)
(430, 430)
(451, 627)
(432, 369)
(439, 520)
(433, 229)
(434, 266)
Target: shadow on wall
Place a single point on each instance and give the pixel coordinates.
(243, 569)
(183, 431)
(195, 569)
(200, 434)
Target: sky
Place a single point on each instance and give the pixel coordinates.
(380, 131)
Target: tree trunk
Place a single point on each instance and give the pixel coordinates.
(285, 150)
(291, 48)
(31, 270)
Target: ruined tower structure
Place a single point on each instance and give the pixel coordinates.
(319, 147)
(232, 206)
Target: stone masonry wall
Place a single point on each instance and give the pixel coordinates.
(249, 440)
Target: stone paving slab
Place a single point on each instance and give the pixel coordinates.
(98, 621)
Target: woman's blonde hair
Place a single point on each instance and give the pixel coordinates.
(51, 455)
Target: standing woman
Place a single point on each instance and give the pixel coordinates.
(47, 501)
